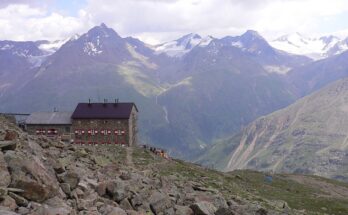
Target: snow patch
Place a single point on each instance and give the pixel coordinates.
(166, 114)
(277, 69)
(7, 47)
(237, 44)
(52, 47)
(36, 61)
(182, 46)
(91, 49)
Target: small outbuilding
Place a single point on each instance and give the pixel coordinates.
(51, 124)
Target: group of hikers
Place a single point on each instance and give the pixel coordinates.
(157, 151)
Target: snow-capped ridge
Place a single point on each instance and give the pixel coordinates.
(183, 45)
(313, 47)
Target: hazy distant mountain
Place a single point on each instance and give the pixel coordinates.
(314, 47)
(308, 137)
(316, 75)
(221, 89)
(272, 60)
(16, 60)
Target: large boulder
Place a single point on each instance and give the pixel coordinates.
(71, 178)
(6, 212)
(224, 211)
(203, 208)
(54, 206)
(31, 175)
(2, 134)
(8, 145)
(159, 202)
(19, 199)
(116, 190)
(11, 135)
(8, 202)
(110, 210)
(66, 188)
(183, 210)
(4, 174)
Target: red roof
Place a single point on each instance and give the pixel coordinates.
(103, 111)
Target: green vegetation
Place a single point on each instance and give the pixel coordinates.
(309, 194)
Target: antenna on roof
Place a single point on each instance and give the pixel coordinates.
(116, 102)
(55, 109)
(105, 101)
(89, 102)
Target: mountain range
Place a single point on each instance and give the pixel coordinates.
(191, 92)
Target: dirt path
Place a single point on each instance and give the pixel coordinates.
(129, 157)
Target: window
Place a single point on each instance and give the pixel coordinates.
(79, 132)
(92, 132)
(105, 121)
(105, 132)
(67, 129)
(40, 131)
(52, 131)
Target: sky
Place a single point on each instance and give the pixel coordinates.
(156, 21)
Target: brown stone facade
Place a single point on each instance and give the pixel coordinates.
(106, 131)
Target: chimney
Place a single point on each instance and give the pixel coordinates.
(105, 102)
(55, 109)
(89, 102)
(116, 102)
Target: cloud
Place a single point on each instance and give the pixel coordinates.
(23, 22)
(36, 3)
(162, 20)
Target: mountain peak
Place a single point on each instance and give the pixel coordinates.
(188, 39)
(191, 36)
(252, 33)
(102, 25)
(103, 31)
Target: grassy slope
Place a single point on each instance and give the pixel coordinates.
(248, 185)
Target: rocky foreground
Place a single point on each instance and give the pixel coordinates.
(40, 176)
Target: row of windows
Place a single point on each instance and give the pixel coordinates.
(104, 132)
(48, 131)
(100, 143)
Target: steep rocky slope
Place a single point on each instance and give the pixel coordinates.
(308, 137)
(40, 176)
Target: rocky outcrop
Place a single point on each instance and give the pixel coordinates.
(203, 208)
(31, 175)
